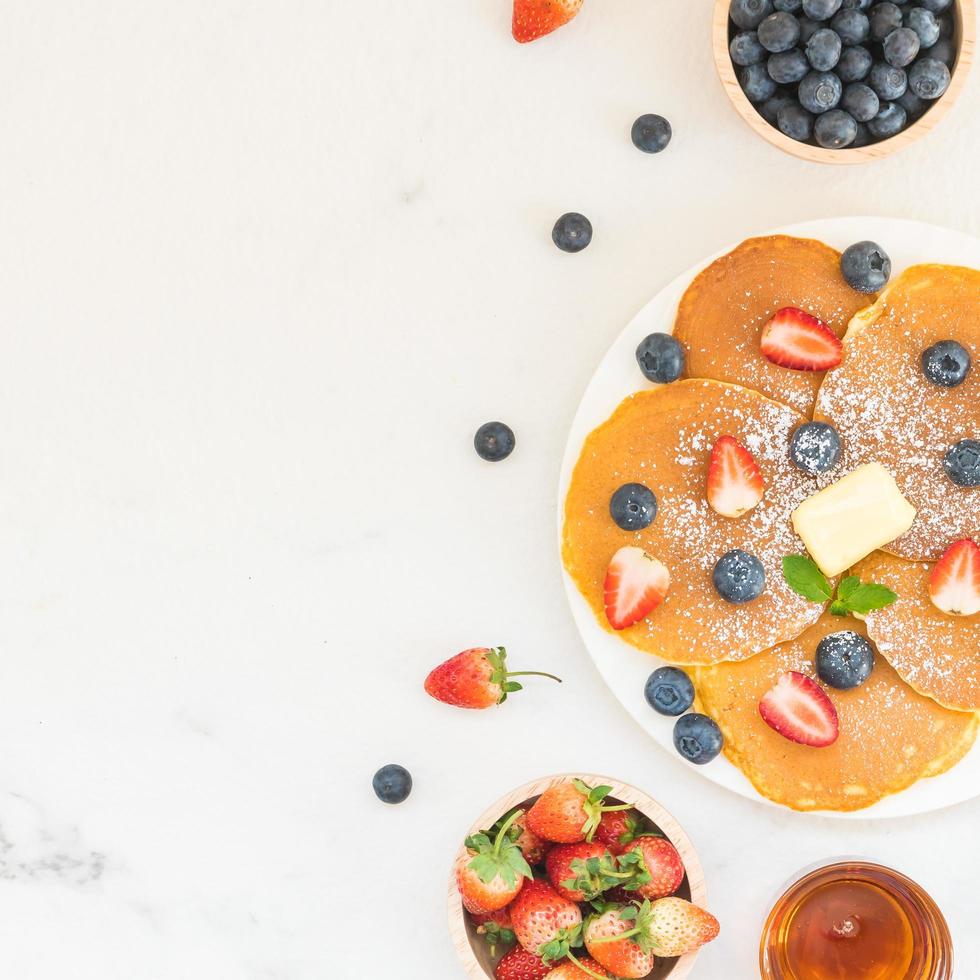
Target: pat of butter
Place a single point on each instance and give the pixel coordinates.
(848, 520)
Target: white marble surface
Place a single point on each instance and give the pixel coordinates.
(265, 267)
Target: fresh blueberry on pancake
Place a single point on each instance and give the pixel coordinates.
(946, 363)
(738, 576)
(844, 660)
(633, 507)
(661, 358)
(815, 448)
(866, 265)
(962, 463)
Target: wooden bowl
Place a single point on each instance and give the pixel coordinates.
(965, 36)
(472, 949)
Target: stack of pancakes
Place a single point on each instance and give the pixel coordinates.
(916, 715)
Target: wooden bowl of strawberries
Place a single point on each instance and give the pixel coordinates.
(574, 877)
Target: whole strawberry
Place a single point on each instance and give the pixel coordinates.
(582, 871)
(545, 923)
(659, 868)
(617, 829)
(676, 927)
(496, 928)
(569, 812)
(476, 678)
(491, 872)
(612, 938)
(577, 969)
(519, 964)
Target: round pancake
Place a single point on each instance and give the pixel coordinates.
(662, 438)
(886, 411)
(890, 736)
(938, 655)
(722, 313)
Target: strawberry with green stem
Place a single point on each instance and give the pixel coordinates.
(546, 923)
(567, 813)
(854, 597)
(617, 830)
(583, 871)
(574, 968)
(491, 872)
(657, 865)
(477, 678)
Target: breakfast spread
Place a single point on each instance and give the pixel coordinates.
(575, 884)
(789, 518)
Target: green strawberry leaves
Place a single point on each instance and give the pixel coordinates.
(496, 935)
(499, 674)
(593, 876)
(500, 857)
(564, 940)
(853, 596)
(637, 874)
(592, 805)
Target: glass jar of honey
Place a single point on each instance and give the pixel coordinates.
(855, 920)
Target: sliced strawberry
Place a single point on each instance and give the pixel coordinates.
(735, 482)
(635, 585)
(954, 584)
(799, 710)
(535, 18)
(798, 340)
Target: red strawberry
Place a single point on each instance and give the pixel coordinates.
(533, 848)
(954, 583)
(577, 969)
(545, 923)
(476, 678)
(617, 830)
(660, 866)
(569, 812)
(618, 943)
(676, 927)
(496, 928)
(799, 710)
(519, 964)
(535, 18)
(570, 874)
(735, 482)
(798, 340)
(635, 585)
(491, 872)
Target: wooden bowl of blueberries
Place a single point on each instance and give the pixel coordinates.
(843, 81)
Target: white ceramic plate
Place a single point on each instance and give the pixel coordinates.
(624, 668)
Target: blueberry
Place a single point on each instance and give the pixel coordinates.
(924, 23)
(890, 121)
(943, 50)
(790, 6)
(856, 4)
(739, 576)
(661, 358)
(392, 783)
(807, 28)
(788, 67)
(912, 104)
(962, 463)
(854, 64)
(929, 78)
(769, 109)
(823, 49)
(946, 363)
(795, 122)
(633, 507)
(815, 447)
(651, 133)
(883, 19)
(820, 91)
(669, 691)
(749, 14)
(745, 50)
(835, 130)
(851, 25)
(887, 81)
(860, 101)
(865, 265)
(844, 660)
(572, 232)
(698, 738)
(494, 441)
(863, 137)
(821, 9)
(779, 32)
(756, 83)
(901, 47)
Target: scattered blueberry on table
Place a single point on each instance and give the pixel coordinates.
(844, 660)
(651, 133)
(796, 60)
(392, 783)
(698, 738)
(572, 232)
(866, 267)
(494, 441)
(633, 507)
(946, 363)
(661, 358)
(669, 691)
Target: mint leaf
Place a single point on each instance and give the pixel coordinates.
(869, 596)
(805, 579)
(838, 608)
(847, 587)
